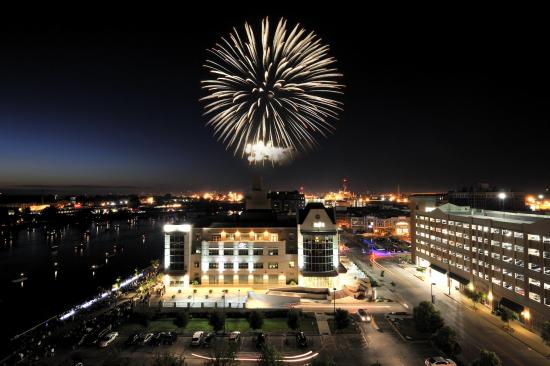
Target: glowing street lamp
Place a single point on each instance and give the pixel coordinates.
(502, 197)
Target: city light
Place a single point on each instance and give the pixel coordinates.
(184, 228)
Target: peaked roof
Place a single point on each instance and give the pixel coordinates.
(302, 214)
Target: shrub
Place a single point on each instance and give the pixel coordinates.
(293, 319)
(256, 320)
(341, 319)
(217, 321)
(181, 320)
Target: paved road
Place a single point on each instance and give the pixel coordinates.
(386, 347)
(474, 332)
(371, 307)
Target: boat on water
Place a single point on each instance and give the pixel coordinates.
(21, 278)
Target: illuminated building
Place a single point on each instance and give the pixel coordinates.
(503, 254)
(287, 201)
(317, 246)
(257, 248)
(537, 203)
(487, 198)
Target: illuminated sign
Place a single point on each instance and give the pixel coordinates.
(318, 224)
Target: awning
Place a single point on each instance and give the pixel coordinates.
(459, 279)
(512, 305)
(438, 269)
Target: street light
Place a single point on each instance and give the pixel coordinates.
(502, 197)
(432, 292)
(334, 297)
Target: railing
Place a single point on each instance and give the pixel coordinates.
(203, 304)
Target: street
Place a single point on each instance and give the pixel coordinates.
(474, 332)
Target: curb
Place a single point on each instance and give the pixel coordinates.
(401, 335)
(493, 324)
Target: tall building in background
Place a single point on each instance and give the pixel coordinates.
(484, 197)
(287, 202)
(505, 255)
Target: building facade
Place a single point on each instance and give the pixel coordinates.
(287, 201)
(505, 255)
(257, 248)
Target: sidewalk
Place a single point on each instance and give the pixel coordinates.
(322, 323)
(530, 339)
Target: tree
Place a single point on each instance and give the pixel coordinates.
(426, 318)
(293, 319)
(382, 274)
(476, 297)
(487, 358)
(155, 263)
(545, 333)
(446, 340)
(269, 356)
(223, 354)
(182, 319)
(167, 359)
(341, 319)
(256, 319)
(323, 360)
(217, 321)
(506, 315)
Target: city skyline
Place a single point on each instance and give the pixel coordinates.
(120, 108)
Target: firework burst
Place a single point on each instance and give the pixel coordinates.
(271, 94)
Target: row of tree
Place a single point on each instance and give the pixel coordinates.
(428, 320)
(255, 320)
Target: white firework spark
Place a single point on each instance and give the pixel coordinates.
(273, 96)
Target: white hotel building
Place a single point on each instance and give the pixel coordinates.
(506, 255)
(258, 248)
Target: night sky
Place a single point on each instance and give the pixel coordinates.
(431, 103)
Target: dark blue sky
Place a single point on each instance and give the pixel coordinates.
(429, 104)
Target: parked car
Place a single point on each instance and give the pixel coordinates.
(301, 340)
(260, 340)
(156, 339)
(133, 339)
(170, 338)
(197, 338)
(144, 338)
(401, 313)
(439, 361)
(235, 337)
(107, 339)
(208, 339)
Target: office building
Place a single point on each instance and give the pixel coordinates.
(503, 254)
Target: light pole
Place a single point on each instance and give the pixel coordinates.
(432, 292)
(334, 298)
(238, 297)
(502, 197)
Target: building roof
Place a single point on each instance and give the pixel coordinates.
(302, 214)
(500, 216)
(248, 219)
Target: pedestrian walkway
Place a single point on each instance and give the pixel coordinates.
(322, 323)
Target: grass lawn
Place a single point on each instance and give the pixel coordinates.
(351, 328)
(271, 325)
(408, 330)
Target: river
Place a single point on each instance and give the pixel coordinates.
(57, 271)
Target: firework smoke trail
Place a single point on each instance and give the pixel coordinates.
(272, 96)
